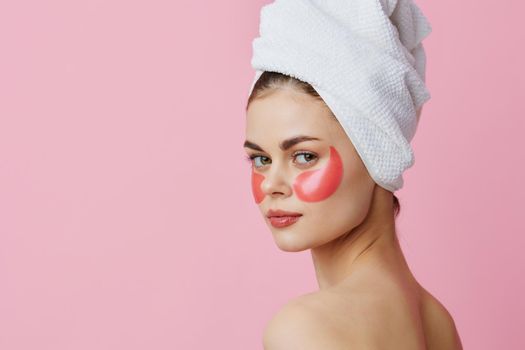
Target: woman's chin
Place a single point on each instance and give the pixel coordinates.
(289, 241)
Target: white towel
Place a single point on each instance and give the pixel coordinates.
(365, 59)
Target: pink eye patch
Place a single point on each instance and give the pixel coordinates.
(309, 186)
(316, 185)
(257, 179)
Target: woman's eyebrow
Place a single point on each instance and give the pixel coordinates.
(286, 144)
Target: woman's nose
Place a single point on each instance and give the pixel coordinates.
(276, 182)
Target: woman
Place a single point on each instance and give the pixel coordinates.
(316, 192)
(368, 297)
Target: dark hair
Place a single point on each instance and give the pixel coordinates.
(268, 81)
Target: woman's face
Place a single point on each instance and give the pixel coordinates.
(319, 176)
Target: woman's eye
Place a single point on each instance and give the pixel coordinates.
(305, 156)
(299, 157)
(259, 161)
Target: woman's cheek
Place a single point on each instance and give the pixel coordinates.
(257, 180)
(316, 185)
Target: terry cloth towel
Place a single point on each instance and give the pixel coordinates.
(365, 59)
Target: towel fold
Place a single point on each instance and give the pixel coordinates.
(366, 60)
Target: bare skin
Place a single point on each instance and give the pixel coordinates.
(375, 304)
(368, 298)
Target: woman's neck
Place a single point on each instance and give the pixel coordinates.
(372, 244)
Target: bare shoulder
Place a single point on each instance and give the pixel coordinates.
(304, 323)
(357, 319)
(439, 325)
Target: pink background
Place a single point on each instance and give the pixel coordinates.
(126, 217)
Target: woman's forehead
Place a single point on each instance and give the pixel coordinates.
(277, 112)
(277, 129)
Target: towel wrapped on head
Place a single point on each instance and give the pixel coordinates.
(365, 59)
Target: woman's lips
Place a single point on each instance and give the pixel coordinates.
(282, 221)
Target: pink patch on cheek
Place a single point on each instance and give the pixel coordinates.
(258, 194)
(316, 185)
